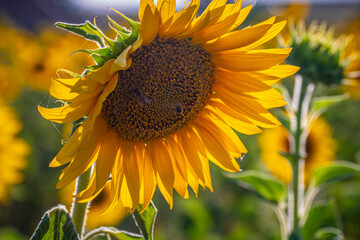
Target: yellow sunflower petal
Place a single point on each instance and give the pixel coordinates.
(237, 39)
(214, 31)
(218, 154)
(61, 91)
(71, 146)
(142, 7)
(270, 34)
(179, 22)
(253, 60)
(67, 113)
(131, 171)
(149, 181)
(240, 81)
(166, 9)
(164, 170)
(233, 118)
(149, 28)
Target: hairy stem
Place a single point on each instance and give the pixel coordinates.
(78, 210)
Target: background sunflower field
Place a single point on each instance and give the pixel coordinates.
(31, 51)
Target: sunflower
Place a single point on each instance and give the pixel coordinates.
(12, 42)
(42, 57)
(320, 150)
(12, 152)
(322, 56)
(97, 207)
(158, 110)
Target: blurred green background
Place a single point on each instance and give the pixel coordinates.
(230, 212)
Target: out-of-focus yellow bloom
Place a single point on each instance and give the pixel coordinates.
(95, 216)
(320, 149)
(42, 58)
(13, 41)
(352, 82)
(294, 10)
(13, 152)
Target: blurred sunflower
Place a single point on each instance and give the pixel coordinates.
(159, 109)
(43, 57)
(13, 41)
(352, 83)
(13, 152)
(320, 149)
(323, 57)
(95, 217)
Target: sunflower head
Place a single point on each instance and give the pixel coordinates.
(320, 150)
(164, 97)
(321, 56)
(13, 152)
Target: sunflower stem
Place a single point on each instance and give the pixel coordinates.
(79, 210)
(299, 126)
(281, 215)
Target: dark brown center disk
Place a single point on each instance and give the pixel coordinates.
(166, 86)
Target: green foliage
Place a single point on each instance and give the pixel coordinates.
(86, 30)
(263, 185)
(321, 215)
(337, 171)
(329, 234)
(56, 224)
(111, 233)
(9, 233)
(321, 104)
(146, 220)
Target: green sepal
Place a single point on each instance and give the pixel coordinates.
(56, 224)
(117, 27)
(135, 28)
(100, 55)
(116, 46)
(263, 185)
(329, 234)
(321, 215)
(86, 30)
(111, 233)
(91, 68)
(146, 220)
(338, 170)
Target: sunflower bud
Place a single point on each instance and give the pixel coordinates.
(317, 52)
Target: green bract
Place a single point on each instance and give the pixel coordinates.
(318, 53)
(113, 47)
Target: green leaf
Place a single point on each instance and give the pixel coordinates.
(146, 220)
(56, 224)
(320, 104)
(321, 215)
(329, 234)
(263, 185)
(86, 30)
(106, 233)
(337, 171)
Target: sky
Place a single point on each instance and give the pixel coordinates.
(132, 5)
